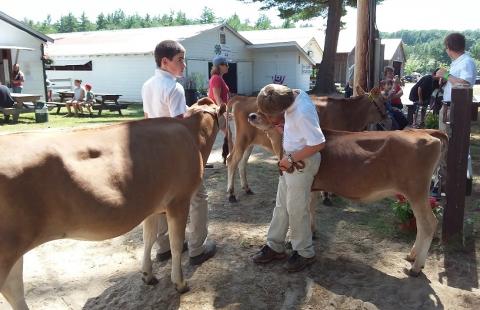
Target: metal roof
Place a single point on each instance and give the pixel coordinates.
(124, 41)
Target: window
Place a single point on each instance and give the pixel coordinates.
(223, 38)
(87, 66)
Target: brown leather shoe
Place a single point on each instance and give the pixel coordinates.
(266, 255)
(296, 262)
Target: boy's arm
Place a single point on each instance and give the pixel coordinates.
(177, 104)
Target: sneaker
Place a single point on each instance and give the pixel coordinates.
(161, 257)
(266, 255)
(209, 252)
(296, 262)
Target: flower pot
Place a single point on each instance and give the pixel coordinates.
(408, 226)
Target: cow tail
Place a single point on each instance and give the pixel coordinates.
(225, 150)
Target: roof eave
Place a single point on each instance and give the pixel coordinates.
(12, 21)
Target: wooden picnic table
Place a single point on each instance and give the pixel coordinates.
(103, 101)
(24, 103)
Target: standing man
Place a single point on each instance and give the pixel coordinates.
(420, 96)
(18, 79)
(163, 96)
(302, 141)
(462, 71)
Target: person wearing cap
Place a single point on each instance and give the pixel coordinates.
(89, 99)
(218, 91)
(78, 97)
(302, 141)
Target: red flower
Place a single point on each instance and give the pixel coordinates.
(401, 198)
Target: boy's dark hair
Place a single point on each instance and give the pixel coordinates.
(167, 48)
(455, 42)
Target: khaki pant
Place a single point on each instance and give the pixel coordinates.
(197, 228)
(292, 210)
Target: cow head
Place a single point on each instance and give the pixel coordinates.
(377, 100)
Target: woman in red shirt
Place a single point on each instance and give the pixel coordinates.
(218, 91)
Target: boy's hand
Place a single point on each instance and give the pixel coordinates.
(284, 164)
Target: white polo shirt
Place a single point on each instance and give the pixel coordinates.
(464, 68)
(163, 96)
(302, 126)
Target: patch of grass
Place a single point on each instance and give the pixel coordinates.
(26, 121)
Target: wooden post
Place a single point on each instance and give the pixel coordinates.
(361, 48)
(460, 117)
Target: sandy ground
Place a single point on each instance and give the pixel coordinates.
(359, 264)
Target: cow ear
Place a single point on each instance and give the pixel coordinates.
(360, 90)
(205, 101)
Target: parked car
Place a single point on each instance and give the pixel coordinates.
(410, 78)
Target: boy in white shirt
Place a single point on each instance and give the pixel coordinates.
(163, 96)
(302, 141)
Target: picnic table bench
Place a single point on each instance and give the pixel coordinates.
(24, 103)
(105, 102)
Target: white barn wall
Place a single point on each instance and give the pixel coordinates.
(29, 61)
(270, 62)
(120, 74)
(303, 78)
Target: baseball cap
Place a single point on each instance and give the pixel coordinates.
(219, 60)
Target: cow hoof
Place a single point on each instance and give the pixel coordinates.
(327, 202)
(151, 281)
(232, 199)
(412, 273)
(182, 288)
(249, 192)
(314, 235)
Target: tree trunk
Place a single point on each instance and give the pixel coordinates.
(325, 83)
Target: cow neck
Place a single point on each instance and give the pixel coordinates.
(205, 137)
(372, 100)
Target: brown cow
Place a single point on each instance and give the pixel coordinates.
(95, 184)
(352, 114)
(370, 165)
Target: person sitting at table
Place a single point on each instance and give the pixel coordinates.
(89, 99)
(6, 100)
(78, 97)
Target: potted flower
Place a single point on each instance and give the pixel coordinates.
(402, 209)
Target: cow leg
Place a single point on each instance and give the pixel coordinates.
(150, 227)
(314, 196)
(12, 288)
(232, 163)
(242, 169)
(177, 221)
(426, 226)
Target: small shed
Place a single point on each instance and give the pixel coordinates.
(23, 45)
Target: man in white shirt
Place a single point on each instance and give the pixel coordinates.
(302, 141)
(163, 96)
(462, 71)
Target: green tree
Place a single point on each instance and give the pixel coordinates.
(133, 21)
(68, 23)
(85, 24)
(288, 23)
(101, 22)
(207, 16)
(263, 22)
(181, 19)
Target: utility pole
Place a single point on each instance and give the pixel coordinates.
(361, 48)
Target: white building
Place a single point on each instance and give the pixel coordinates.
(23, 45)
(120, 61)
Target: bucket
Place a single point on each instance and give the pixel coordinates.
(41, 113)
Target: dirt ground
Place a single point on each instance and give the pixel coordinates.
(359, 264)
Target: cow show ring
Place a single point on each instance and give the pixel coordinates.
(360, 259)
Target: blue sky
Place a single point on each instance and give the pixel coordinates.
(392, 15)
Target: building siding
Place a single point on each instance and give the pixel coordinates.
(29, 61)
